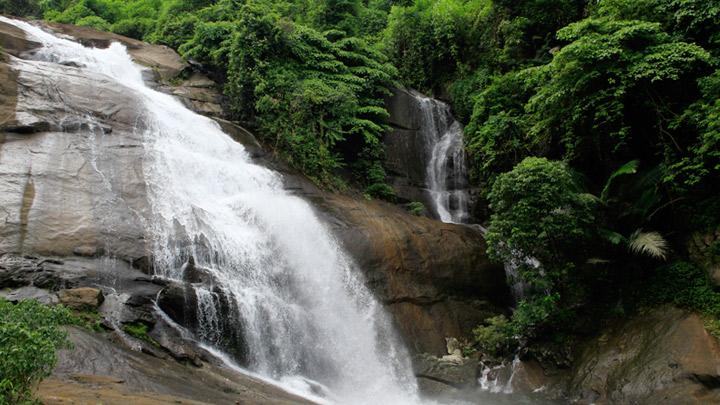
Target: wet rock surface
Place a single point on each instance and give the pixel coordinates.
(406, 176)
(98, 370)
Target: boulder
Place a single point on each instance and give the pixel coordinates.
(66, 184)
(179, 302)
(81, 298)
(30, 293)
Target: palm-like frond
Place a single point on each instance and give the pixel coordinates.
(650, 243)
(628, 168)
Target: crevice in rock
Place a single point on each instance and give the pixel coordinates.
(440, 380)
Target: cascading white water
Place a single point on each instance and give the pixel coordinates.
(446, 172)
(299, 305)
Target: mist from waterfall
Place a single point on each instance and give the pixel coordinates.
(298, 306)
(446, 171)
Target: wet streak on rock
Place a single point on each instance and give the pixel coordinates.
(27, 202)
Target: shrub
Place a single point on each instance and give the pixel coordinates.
(30, 334)
(139, 330)
(416, 208)
(687, 286)
(496, 337)
(95, 22)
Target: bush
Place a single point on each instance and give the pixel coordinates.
(139, 330)
(30, 334)
(95, 22)
(687, 286)
(496, 337)
(416, 208)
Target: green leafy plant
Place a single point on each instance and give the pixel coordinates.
(416, 208)
(496, 336)
(30, 334)
(139, 330)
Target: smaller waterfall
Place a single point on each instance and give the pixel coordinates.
(445, 157)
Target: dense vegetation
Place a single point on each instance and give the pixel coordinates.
(30, 334)
(592, 127)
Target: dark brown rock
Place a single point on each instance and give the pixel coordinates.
(179, 302)
(662, 356)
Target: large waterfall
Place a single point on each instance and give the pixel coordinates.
(280, 284)
(446, 173)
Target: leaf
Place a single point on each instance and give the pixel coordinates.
(652, 244)
(628, 168)
(611, 236)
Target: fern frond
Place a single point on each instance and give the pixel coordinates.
(650, 243)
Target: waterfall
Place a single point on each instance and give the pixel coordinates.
(295, 302)
(446, 172)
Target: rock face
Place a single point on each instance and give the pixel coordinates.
(97, 371)
(406, 176)
(429, 274)
(664, 356)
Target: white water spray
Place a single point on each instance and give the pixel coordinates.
(300, 306)
(446, 172)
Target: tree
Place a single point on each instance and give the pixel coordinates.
(540, 215)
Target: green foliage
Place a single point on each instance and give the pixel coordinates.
(428, 40)
(139, 330)
(416, 208)
(630, 167)
(314, 96)
(30, 334)
(495, 337)
(687, 286)
(21, 8)
(539, 212)
(497, 136)
(94, 21)
(609, 66)
(543, 223)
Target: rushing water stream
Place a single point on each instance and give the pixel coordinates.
(296, 302)
(446, 172)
